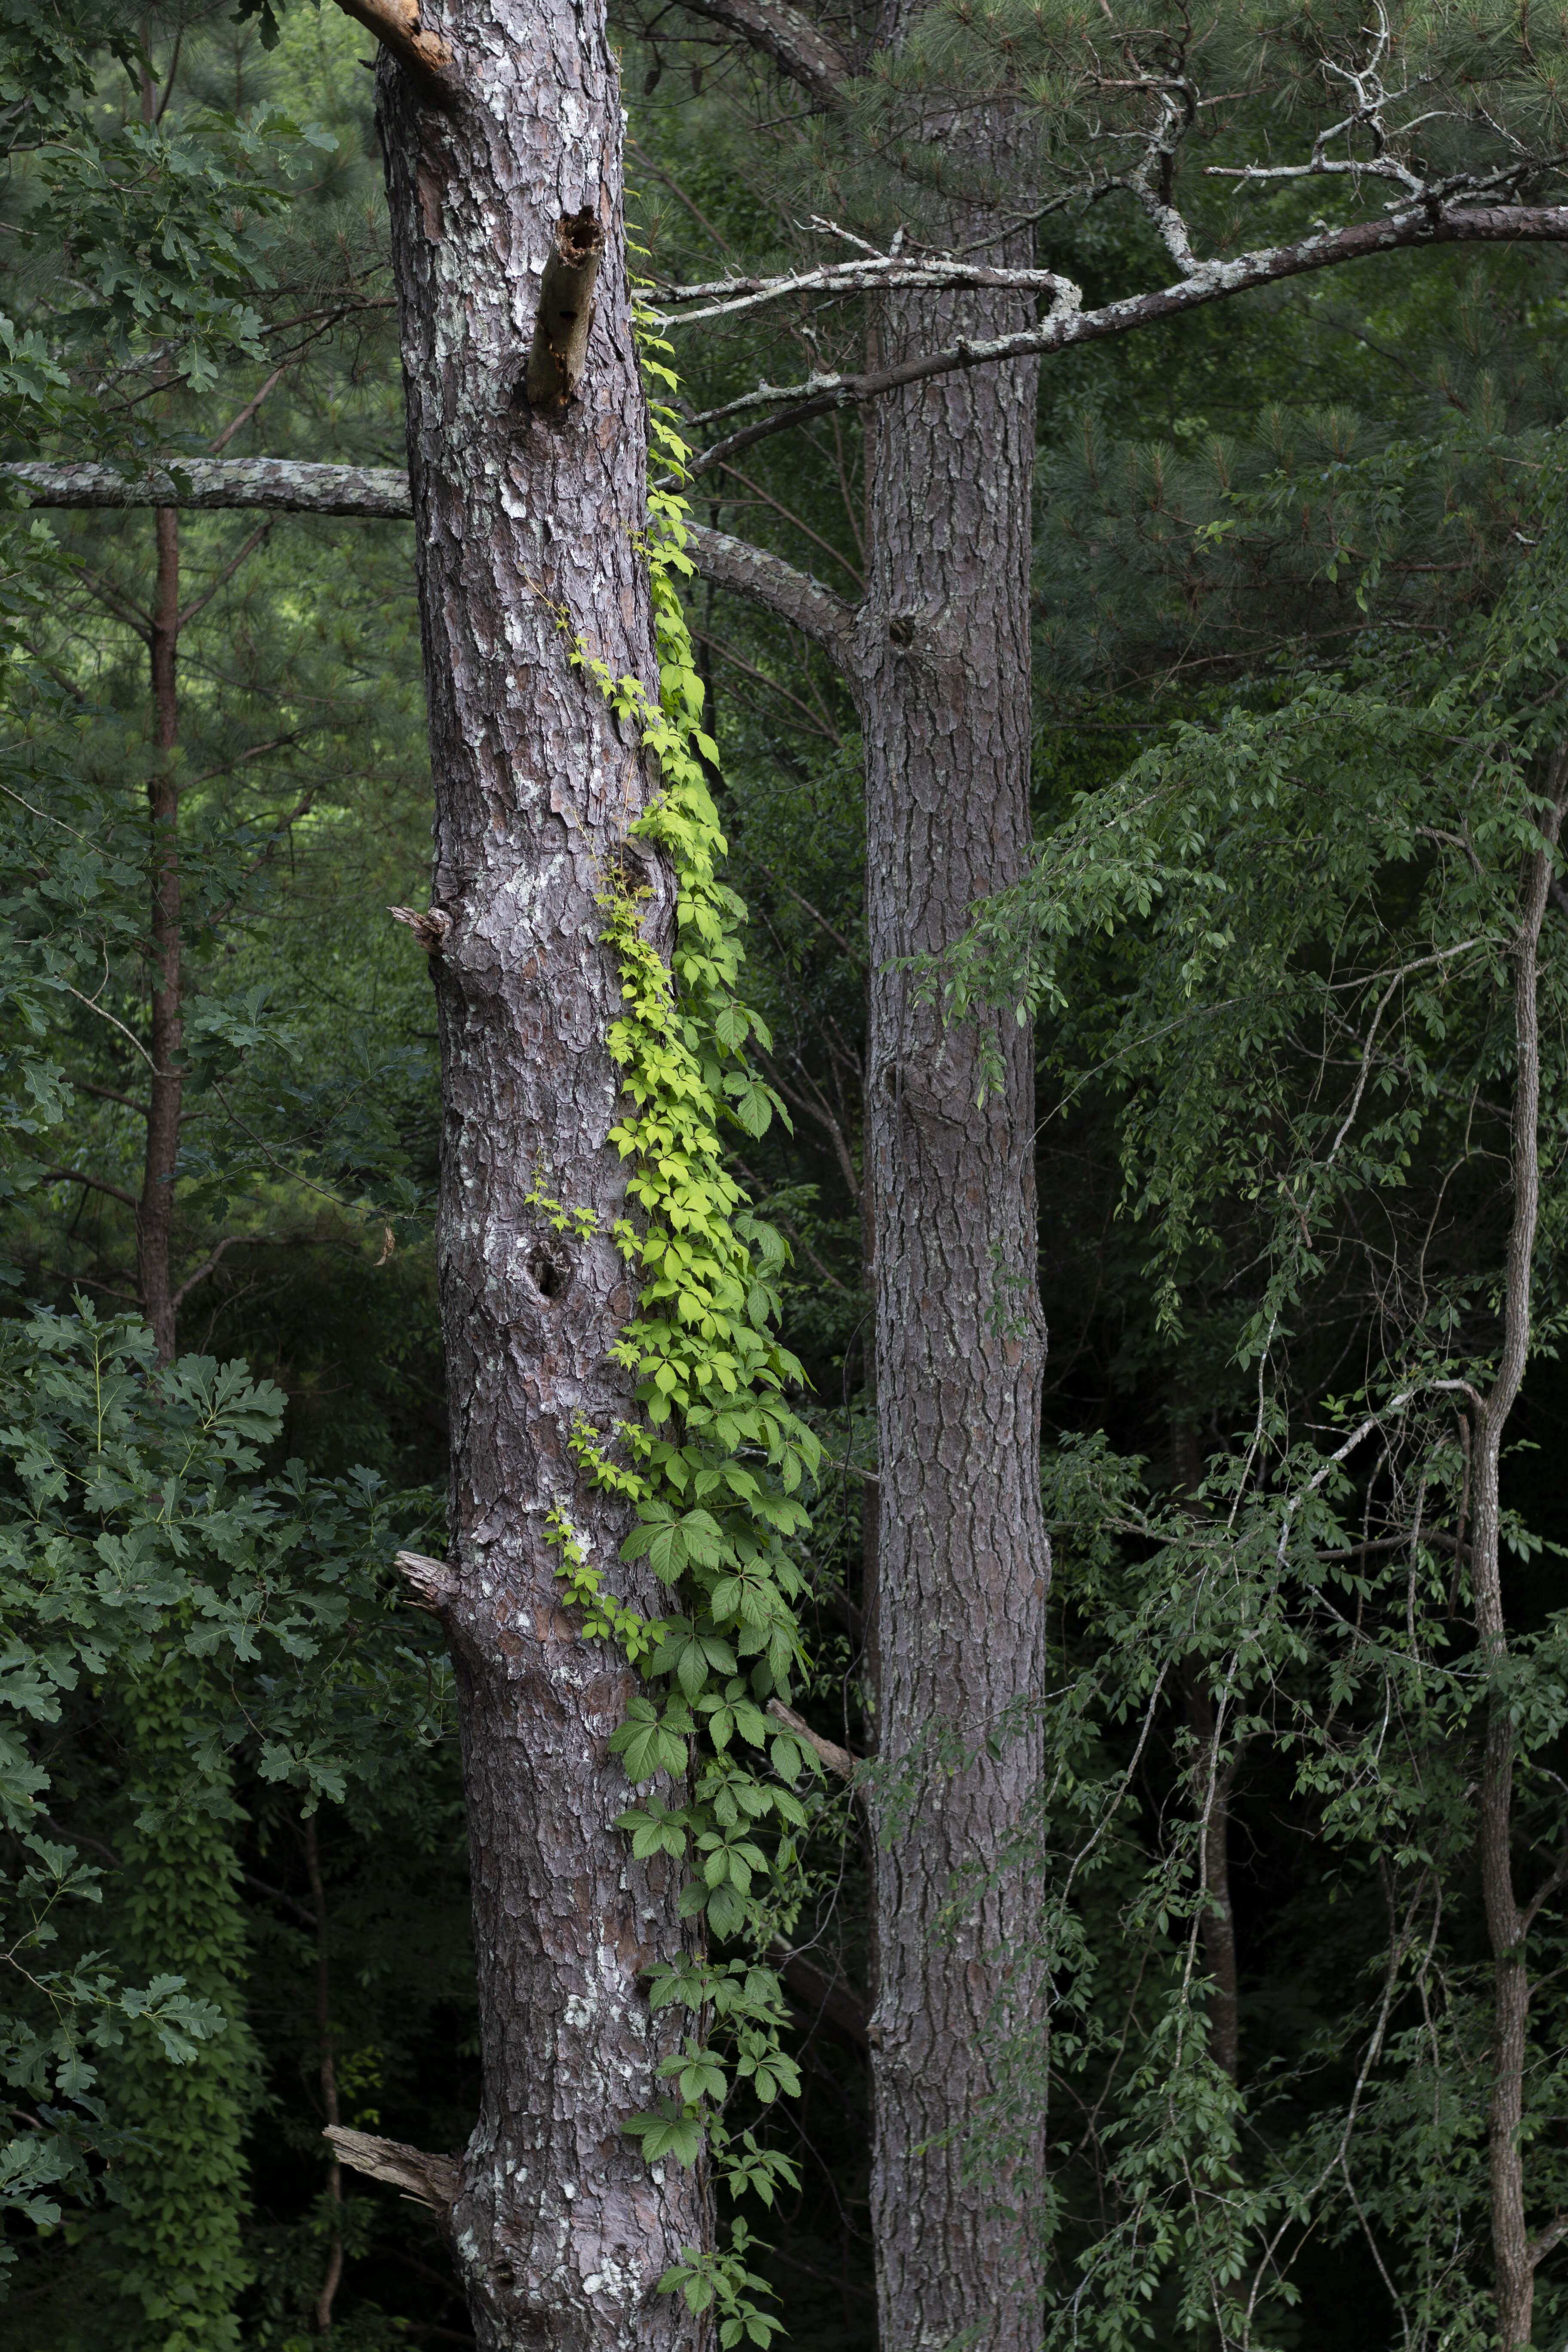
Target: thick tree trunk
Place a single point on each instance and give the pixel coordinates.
(962, 1557)
(526, 518)
(156, 1207)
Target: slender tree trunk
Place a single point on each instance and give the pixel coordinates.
(156, 1207)
(962, 1560)
(1507, 1922)
(1217, 1926)
(329, 2073)
(526, 517)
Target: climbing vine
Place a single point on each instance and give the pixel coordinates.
(714, 1464)
(184, 2131)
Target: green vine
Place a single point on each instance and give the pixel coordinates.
(185, 2149)
(714, 1464)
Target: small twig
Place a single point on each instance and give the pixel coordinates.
(230, 1240)
(838, 1760)
(97, 1184)
(238, 423)
(790, 891)
(225, 575)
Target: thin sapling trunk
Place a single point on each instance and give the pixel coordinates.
(1508, 1921)
(155, 1205)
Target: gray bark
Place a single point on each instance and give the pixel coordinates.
(560, 2230)
(939, 658)
(1508, 1921)
(280, 483)
(962, 1557)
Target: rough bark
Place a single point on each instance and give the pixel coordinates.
(1508, 1921)
(939, 659)
(962, 1560)
(526, 519)
(155, 1206)
(283, 484)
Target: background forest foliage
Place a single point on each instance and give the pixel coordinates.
(1299, 603)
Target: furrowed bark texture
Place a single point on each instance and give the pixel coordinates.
(561, 2230)
(962, 1559)
(1508, 1921)
(156, 1207)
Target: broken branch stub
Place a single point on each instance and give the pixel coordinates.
(565, 311)
(430, 930)
(398, 27)
(428, 1584)
(436, 2181)
(838, 1760)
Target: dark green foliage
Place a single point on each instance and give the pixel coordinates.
(1298, 672)
(181, 2155)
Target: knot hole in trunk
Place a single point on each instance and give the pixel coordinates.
(550, 1276)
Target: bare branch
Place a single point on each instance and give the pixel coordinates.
(830, 2001)
(231, 1240)
(373, 491)
(432, 1584)
(767, 580)
(93, 1006)
(1542, 2246)
(110, 1094)
(790, 40)
(749, 669)
(728, 296)
(221, 441)
(795, 521)
(430, 929)
(94, 1184)
(257, 539)
(790, 891)
(1209, 281)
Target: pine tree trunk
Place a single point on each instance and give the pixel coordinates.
(156, 1207)
(521, 514)
(962, 1560)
